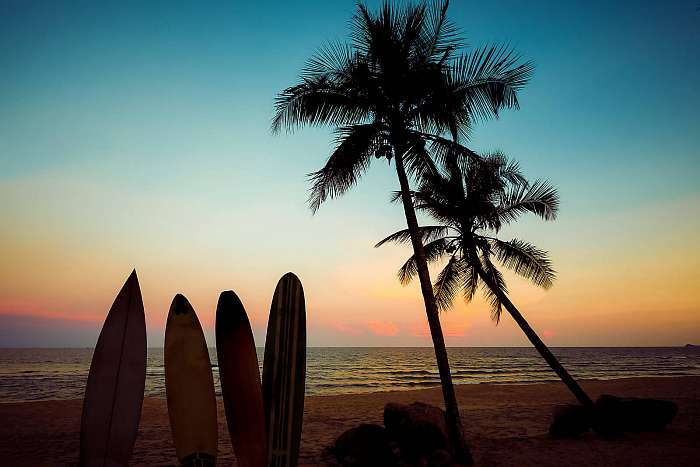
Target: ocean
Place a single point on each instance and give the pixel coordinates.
(51, 374)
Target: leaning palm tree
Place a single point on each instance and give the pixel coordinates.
(472, 201)
(400, 83)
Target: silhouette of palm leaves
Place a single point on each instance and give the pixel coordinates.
(401, 76)
(472, 201)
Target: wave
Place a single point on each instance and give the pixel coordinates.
(31, 374)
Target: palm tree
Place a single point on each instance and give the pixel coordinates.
(472, 201)
(398, 83)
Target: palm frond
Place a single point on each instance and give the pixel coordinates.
(333, 60)
(318, 102)
(408, 271)
(378, 36)
(488, 79)
(525, 260)
(470, 281)
(511, 172)
(440, 35)
(428, 233)
(447, 283)
(444, 150)
(361, 26)
(417, 158)
(435, 199)
(506, 169)
(351, 158)
(539, 198)
(413, 25)
(396, 196)
(433, 251)
(493, 286)
(442, 197)
(439, 109)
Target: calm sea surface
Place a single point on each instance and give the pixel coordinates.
(42, 374)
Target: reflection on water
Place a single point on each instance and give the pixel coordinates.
(41, 374)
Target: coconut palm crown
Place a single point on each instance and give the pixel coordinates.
(472, 202)
(401, 80)
(486, 194)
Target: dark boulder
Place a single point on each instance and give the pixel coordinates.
(420, 431)
(570, 421)
(613, 414)
(364, 446)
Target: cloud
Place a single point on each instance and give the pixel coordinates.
(382, 328)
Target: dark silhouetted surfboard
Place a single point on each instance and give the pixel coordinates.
(189, 387)
(240, 382)
(284, 372)
(114, 391)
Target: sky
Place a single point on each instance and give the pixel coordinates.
(137, 135)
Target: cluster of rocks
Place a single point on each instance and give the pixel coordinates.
(612, 415)
(412, 435)
(416, 434)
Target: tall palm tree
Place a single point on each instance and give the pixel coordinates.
(399, 82)
(472, 201)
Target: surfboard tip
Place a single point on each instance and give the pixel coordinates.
(229, 297)
(230, 312)
(290, 275)
(132, 282)
(179, 299)
(180, 305)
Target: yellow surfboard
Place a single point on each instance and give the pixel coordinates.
(189, 386)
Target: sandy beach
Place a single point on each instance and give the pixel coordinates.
(506, 425)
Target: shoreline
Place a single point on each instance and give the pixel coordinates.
(415, 388)
(505, 424)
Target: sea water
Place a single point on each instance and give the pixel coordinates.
(46, 374)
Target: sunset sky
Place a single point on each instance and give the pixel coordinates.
(138, 136)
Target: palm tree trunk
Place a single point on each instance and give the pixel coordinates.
(558, 368)
(454, 422)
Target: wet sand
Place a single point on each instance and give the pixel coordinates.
(505, 425)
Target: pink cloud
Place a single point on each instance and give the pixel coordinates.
(383, 328)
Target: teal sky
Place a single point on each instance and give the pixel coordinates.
(138, 135)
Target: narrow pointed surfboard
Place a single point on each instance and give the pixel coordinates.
(114, 391)
(284, 372)
(240, 382)
(189, 387)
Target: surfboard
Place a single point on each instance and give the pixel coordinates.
(115, 385)
(284, 372)
(240, 381)
(189, 387)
